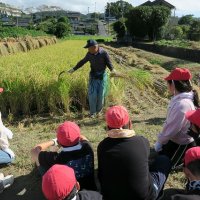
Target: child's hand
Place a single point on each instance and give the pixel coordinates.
(35, 152)
(158, 146)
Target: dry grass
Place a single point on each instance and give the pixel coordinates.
(25, 44)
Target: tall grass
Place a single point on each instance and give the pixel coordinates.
(179, 43)
(87, 37)
(141, 78)
(19, 32)
(31, 80)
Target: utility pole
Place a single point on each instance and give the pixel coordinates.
(17, 21)
(95, 11)
(109, 19)
(122, 8)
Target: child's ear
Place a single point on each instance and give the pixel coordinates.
(187, 173)
(130, 124)
(78, 185)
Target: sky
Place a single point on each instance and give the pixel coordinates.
(183, 7)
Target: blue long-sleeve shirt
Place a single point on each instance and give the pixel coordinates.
(98, 62)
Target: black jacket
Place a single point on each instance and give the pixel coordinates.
(88, 195)
(188, 195)
(178, 194)
(123, 169)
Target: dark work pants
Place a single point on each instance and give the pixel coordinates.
(175, 152)
(159, 171)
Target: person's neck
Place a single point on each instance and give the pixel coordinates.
(176, 92)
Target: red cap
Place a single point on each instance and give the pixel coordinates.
(68, 134)
(179, 74)
(194, 117)
(58, 182)
(117, 117)
(192, 154)
(1, 90)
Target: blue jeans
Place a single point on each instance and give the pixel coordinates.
(96, 93)
(5, 158)
(159, 171)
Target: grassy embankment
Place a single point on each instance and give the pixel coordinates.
(179, 43)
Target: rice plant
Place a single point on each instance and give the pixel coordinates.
(141, 78)
(31, 80)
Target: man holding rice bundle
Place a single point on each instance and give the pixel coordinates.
(99, 60)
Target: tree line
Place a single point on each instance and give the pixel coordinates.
(152, 22)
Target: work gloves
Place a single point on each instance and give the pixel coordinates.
(71, 70)
(113, 73)
(158, 146)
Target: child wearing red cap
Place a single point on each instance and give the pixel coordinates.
(59, 183)
(123, 169)
(173, 140)
(76, 152)
(191, 170)
(194, 131)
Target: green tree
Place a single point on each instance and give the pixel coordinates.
(194, 32)
(62, 29)
(117, 9)
(48, 26)
(138, 21)
(186, 20)
(186, 30)
(45, 26)
(159, 17)
(95, 15)
(177, 32)
(92, 30)
(120, 28)
(59, 28)
(64, 20)
(147, 20)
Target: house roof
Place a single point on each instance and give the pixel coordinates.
(147, 3)
(163, 3)
(158, 3)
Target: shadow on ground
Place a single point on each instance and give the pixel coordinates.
(151, 121)
(174, 63)
(27, 187)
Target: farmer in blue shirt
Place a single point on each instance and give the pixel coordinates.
(99, 60)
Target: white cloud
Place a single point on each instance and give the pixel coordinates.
(183, 6)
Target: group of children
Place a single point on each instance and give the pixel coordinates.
(124, 171)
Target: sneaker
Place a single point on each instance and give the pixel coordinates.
(1, 176)
(1, 182)
(93, 116)
(8, 181)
